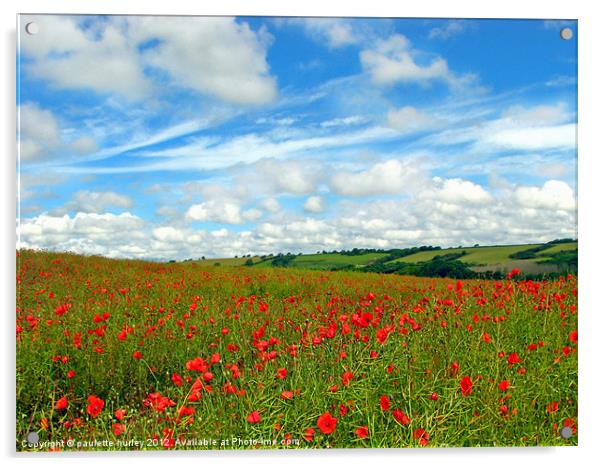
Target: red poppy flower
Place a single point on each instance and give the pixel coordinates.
(327, 423)
(552, 407)
(119, 414)
(177, 379)
(254, 417)
(362, 432)
(95, 405)
(137, 355)
(308, 435)
(70, 374)
(118, 429)
(503, 385)
(466, 385)
(347, 376)
(286, 395)
(62, 403)
(573, 336)
(385, 403)
(281, 373)
(434, 396)
(513, 358)
(401, 417)
(422, 435)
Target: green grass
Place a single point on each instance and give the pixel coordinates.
(230, 261)
(329, 261)
(558, 248)
(483, 255)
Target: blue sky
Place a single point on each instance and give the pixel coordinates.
(186, 137)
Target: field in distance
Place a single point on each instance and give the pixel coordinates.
(552, 257)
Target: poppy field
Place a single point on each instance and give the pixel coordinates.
(134, 355)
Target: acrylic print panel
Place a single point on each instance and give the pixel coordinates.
(260, 232)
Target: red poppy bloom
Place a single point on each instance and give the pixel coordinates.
(137, 355)
(513, 358)
(177, 379)
(422, 435)
(552, 407)
(573, 336)
(503, 385)
(158, 402)
(327, 423)
(118, 429)
(254, 417)
(62, 403)
(95, 405)
(347, 376)
(401, 417)
(361, 432)
(70, 374)
(385, 403)
(486, 338)
(186, 411)
(466, 385)
(434, 396)
(281, 373)
(308, 435)
(119, 414)
(286, 395)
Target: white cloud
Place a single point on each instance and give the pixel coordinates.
(552, 195)
(212, 55)
(40, 135)
(63, 53)
(95, 202)
(393, 60)
(536, 128)
(221, 211)
(457, 191)
(346, 121)
(39, 132)
(215, 211)
(334, 32)
(84, 145)
(455, 212)
(169, 234)
(389, 177)
(314, 204)
(271, 205)
(451, 28)
(408, 120)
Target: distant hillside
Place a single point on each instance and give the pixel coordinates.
(559, 256)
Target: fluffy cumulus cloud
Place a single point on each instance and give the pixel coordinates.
(450, 212)
(388, 177)
(217, 56)
(553, 195)
(39, 132)
(457, 191)
(221, 211)
(314, 204)
(393, 60)
(408, 119)
(95, 202)
(41, 136)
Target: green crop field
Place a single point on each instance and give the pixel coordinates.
(482, 255)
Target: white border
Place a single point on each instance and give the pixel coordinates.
(590, 38)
